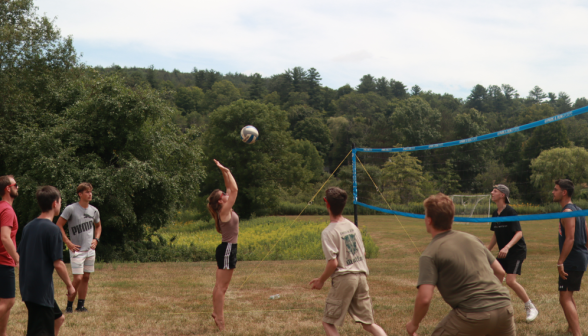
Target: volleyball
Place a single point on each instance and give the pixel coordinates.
(249, 134)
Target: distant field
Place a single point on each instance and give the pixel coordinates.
(175, 298)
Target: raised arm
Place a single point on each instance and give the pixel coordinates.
(71, 246)
(231, 187)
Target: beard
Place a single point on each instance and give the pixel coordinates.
(13, 193)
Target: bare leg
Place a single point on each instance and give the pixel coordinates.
(374, 329)
(5, 306)
(223, 278)
(82, 288)
(511, 281)
(566, 300)
(330, 329)
(58, 324)
(77, 278)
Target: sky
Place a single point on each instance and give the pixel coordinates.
(446, 46)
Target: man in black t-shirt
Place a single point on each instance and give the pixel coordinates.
(573, 253)
(41, 251)
(513, 250)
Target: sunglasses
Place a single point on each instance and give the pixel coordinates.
(13, 185)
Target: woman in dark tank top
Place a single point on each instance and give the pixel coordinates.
(220, 205)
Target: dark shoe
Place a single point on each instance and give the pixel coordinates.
(81, 310)
(69, 310)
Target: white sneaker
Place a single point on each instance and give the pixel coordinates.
(532, 313)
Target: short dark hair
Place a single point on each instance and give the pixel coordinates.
(5, 182)
(83, 187)
(441, 210)
(337, 198)
(46, 195)
(566, 185)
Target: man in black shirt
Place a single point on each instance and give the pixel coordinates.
(573, 254)
(41, 251)
(513, 250)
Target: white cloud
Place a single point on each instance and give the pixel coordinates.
(447, 46)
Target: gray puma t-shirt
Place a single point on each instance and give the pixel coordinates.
(81, 224)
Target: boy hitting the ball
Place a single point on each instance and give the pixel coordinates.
(347, 268)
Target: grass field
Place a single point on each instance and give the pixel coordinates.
(175, 298)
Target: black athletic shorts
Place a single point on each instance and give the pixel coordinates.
(226, 256)
(42, 319)
(511, 266)
(7, 289)
(572, 283)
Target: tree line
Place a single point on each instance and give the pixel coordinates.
(145, 137)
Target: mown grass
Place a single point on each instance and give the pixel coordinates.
(175, 298)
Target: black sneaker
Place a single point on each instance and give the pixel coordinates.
(81, 310)
(69, 310)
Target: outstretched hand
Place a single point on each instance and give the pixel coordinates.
(220, 166)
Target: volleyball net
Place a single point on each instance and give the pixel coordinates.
(364, 182)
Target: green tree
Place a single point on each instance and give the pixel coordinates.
(417, 122)
(315, 92)
(316, 131)
(222, 93)
(259, 168)
(415, 90)
(344, 90)
(189, 99)
(471, 157)
(397, 89)
(402, 178)
(556, 163)
(121, 140)
(257, 89)
(536, 95)
(383, 87)
(366, 192)
(205, 79)
(477, 99)
(367, 84)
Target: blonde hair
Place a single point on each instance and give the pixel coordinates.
(214, 207)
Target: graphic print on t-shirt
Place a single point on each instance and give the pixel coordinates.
(81, 224)
(351, 245)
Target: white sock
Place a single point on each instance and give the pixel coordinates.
(529, 304)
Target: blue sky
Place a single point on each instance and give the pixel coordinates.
(443, 46)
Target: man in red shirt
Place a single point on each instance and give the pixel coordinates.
(8, 255)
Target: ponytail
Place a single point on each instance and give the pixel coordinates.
(214, 207)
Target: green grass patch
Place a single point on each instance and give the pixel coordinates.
(282, 238)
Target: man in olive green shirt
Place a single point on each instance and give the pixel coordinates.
(467, 276)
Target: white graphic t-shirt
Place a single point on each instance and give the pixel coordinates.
(342, 240)
(81, 224)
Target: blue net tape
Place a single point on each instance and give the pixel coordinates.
(521, 218)
(481, 137)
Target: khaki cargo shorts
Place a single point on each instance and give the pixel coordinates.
(349, 293)
(498, 322)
